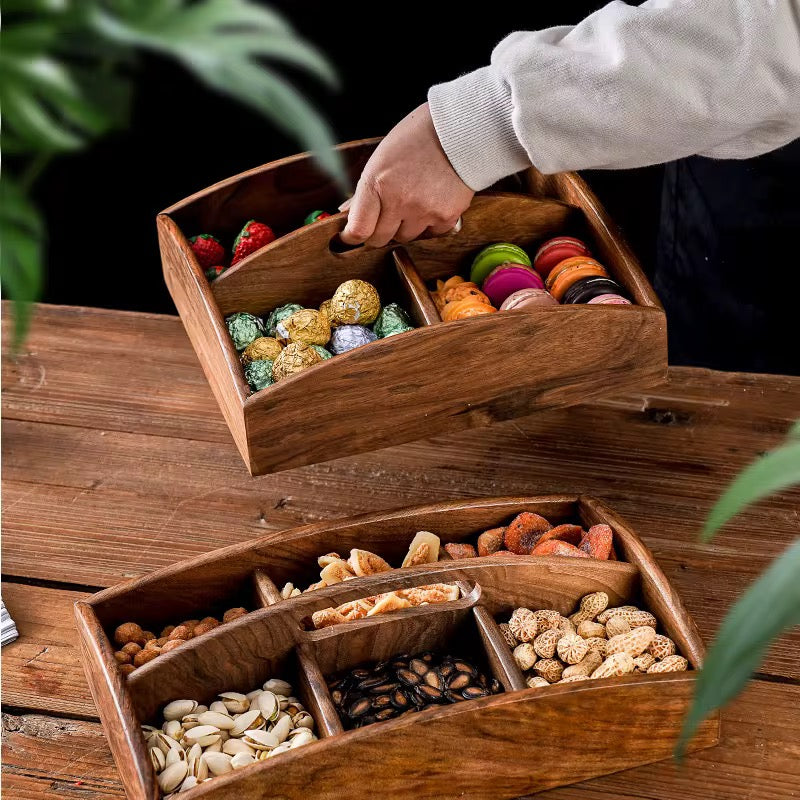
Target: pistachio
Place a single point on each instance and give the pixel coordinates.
(303, 736)
(199, 769)
(219, 707)
(249, 720)
(260, 740)
(189, 783)
(235, 702)
(303, 720)
(164, 743)
(242, 760)
(277, 686)
(222, 721)
(195, 751)
(179, 708)
(268, 704)
(281, 728)
(201, 709)
(203, 735)
(173, 776)
(173, 729)
(286, 746)
(175, 754)
(233, 747)
(216, 747)
(158, 759)
(252, 695)
(190, 721)
(218, 763)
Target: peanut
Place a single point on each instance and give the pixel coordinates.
(572, 648)
(606, 615)
(574, 679)
(523, 625)
(670, 664)
(661, 647)
(616, 626)
(596, 644)
(591, 605)
(534, 681)
(511, 640)
(633, 643)
(547, 619)
(591, 661)
(643, 662)
(545, 643)
(614, 666)
(549, 668)
(525, 656)
(588, 630)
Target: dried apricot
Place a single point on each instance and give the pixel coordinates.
(554, 547)
(491, 542)
(457, 550)
(597, 542)
(524, 532)
(564, 533)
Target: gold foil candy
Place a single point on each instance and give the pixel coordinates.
(355, 302)
(262, 349)
(294, 357)
(307, 326)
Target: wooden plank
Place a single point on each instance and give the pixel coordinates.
(42, 670)
(758, 757)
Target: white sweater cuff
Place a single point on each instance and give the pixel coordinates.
(473, 119)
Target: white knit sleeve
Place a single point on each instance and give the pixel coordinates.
(627, 87)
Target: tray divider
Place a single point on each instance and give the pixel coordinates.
(266, 590)
(421, 306)
(322, 708)
(500, 657)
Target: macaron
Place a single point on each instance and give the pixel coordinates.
(509, 278)
(584, 290)
(528, 298)
(610, 300)
(568, 272)
(493, 256)
(555, 250)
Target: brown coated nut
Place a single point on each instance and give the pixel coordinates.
(205, 627)
(162, 641)
(126, 669)
(153, 644)
(181, 632)
(140, 659)
(167, 631)
(148, 635)
(128, 632)
(233, 613)
(489, 542)
(459, 550)
(132, 648)
(172, 644)
(123, 658)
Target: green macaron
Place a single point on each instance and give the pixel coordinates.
(493, 256)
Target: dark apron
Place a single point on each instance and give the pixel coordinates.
(728, 265)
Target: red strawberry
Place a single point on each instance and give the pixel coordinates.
(214, 272)
(208, 250)
(253, 236)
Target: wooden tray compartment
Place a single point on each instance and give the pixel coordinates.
(424, 382)
(580, 730)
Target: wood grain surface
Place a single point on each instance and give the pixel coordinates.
(108, 478)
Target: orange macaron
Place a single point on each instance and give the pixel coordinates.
(569, 271)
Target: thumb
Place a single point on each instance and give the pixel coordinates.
(364, 210)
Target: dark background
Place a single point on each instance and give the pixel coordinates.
(100, 205)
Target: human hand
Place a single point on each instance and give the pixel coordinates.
(407, 187)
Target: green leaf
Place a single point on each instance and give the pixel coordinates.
(769, 607)
(776, 470)
(221, 42)
(21, 237)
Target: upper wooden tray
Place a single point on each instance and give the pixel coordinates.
(437, 378)
(515, 743)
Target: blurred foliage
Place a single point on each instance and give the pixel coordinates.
(67, 70)
(768, 608)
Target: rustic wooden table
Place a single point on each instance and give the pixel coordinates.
(116, 461)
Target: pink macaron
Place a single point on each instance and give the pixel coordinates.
(528, 298)
(556, 250)
(609, 300)
(508, 278)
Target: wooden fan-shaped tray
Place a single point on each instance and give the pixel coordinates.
(430, 380)
(518, 742)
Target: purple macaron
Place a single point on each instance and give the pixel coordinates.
(508, 278)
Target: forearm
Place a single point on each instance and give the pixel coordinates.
(627, 87)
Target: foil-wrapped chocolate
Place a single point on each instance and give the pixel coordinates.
(263, 348)
(392, 320)
(355, 302)
(294, 357)
(324, 354)
(244, 328)
(325, 310)
(346, 337)
(279, 315)
(259, 374)
(307, 326)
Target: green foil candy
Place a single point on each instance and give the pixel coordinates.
(244, 328)
(392, 320)
(322, 351)
(279, 315)
(259, 374)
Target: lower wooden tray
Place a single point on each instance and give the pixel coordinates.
(518, 742)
